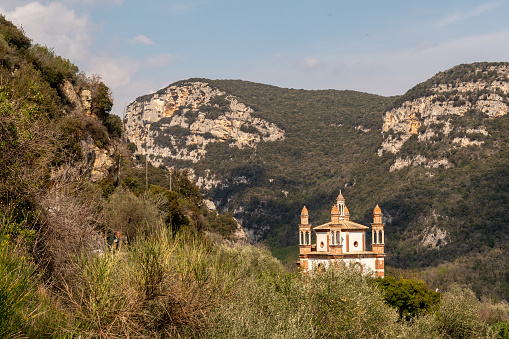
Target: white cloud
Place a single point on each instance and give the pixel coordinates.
(115, 72)
(141, 39)
(55, 26)
(470, 14)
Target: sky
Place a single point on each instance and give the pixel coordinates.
(381, 47)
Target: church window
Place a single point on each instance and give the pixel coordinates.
(355, 244)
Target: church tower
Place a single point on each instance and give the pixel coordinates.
(335, 243)
(304, 232)
(304, 238)
(341, 205)
(378, 241)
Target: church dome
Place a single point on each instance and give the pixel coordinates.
(334, 210)
(377, 210)
(304, 211)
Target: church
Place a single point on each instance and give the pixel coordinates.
(342, 241)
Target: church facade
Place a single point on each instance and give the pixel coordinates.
(342, 242)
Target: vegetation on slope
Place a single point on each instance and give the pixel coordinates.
(331, 142)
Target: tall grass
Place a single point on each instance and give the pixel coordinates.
(15, 288)
(161, 285)
(23, 305)
(182, 285)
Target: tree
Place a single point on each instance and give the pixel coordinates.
(102, 99)
(411, 297)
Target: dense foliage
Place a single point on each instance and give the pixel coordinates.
(410, 297)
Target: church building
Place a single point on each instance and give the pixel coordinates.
(342, 241)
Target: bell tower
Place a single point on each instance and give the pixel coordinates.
(341, 205)
(304, 239)
(304, 232)
(378, 241)
(335, 243)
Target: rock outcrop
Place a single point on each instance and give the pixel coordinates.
(97, 162)
(180, 121)
(430, 117)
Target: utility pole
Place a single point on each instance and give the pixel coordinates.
(146, 158)
(146, 170)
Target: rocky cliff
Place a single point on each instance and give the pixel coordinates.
(430, 112)
(181, 120)
(97, 147)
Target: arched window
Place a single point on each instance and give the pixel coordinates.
(374, 237)
(379, 237)
(332, 240)
(301, 238)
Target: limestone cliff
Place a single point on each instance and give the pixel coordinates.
(431, 115)
(181, 120)
(97, 163)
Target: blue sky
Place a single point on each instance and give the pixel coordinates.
(381, 47)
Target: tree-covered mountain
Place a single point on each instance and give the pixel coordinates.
(434, 159)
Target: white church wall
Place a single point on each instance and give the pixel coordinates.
(321, 241)
(355, 241)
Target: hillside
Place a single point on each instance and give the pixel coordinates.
(96, 242)
(434, 159)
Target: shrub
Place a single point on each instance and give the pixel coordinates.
(70, 227)
(130, 214)
(249, 129)
(457, 315)
(335, 303)
(113, 125)
(343, 304)
(410, 297)
(54, 68)
(501, 330)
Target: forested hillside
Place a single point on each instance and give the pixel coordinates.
(434, 159)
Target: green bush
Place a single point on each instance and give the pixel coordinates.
(130, 214)
(410, 297)
(343, 304)
(457, 316)
(501, 330)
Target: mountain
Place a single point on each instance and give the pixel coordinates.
(435, 159)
